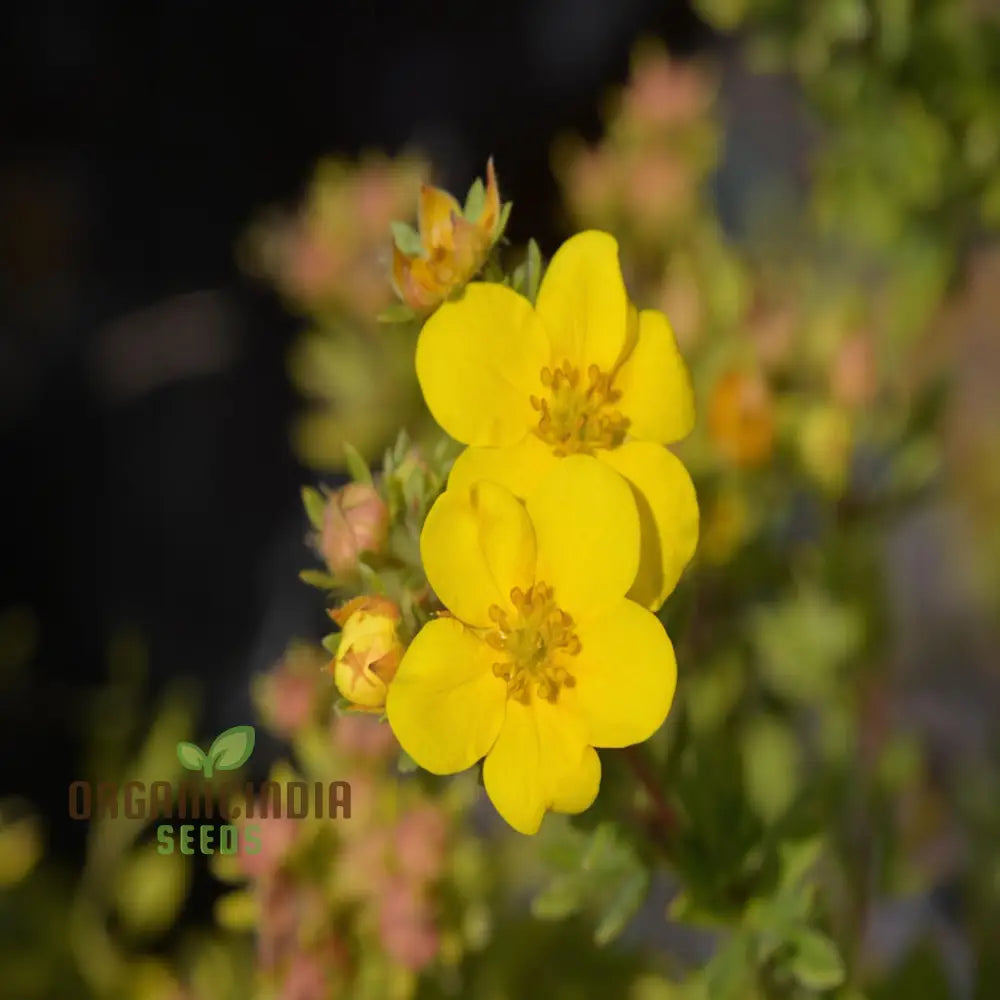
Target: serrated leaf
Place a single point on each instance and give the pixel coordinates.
(474, 201)
(318, 578)
(396, 313)
(356, 465)
(624, 905)
(190, 755)
(407, 239)
(315, 505)
(231, 748)
(816, 963)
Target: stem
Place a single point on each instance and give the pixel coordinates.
(664, 814)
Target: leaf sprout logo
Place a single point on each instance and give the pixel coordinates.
(210, 798)
(230, 750)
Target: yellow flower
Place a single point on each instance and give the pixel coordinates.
(369, 651)
(454, 247)
(582, 372)
(542, 657)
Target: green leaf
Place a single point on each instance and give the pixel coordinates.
(407, 239)
(231, 749)
(770, 755)
(315, 505)
(356, 465)
(624, 905)
(504, 216)
(405, 764)
(318, 578)
(191, 756)
(370, 579)
(533, 266)
(331, 643)
(398, 312)
(562, 897)
(816, 964)
(474, 201)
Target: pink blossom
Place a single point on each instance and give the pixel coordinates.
(406, 926)
(420, 840)
(356, 520)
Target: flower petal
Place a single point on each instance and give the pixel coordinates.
(587, 534)
(540, 761)
(436, 216)
(518, 467)
(625, 674)
(655, 384)
(583, 303)
(668, 516)
(478, 362)
(445, 704)
(477, 544)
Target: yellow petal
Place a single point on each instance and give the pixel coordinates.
(436, 217)
(540, 761)
(668, 516)
(655, 385)
(476, 545)
(583, 303)
(478, 362)
(587, 534)
(625, 675)
(445, 705)
(518, 467)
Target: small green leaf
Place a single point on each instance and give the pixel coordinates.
(533, 267)
(816, 964)
(406, 238)
(370, 579)
(231, 749)
(474, 201)
(191, 756)
(396, 313)
(331, 643)
(562, 897)
(504, 216)
(315, 506)
(356, 465)
(318, 578)
(624, 904)
(405, 764)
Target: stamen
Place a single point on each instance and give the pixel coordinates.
(536, 644)
(575, 418)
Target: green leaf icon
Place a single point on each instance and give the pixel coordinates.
(230, 749)
(191, 756)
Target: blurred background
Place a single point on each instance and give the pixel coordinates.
(832, 275)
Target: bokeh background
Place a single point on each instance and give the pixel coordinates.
(153, 526)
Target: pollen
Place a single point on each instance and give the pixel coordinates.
(536, 641)
(575, 417)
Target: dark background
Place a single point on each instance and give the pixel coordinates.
(144, 405)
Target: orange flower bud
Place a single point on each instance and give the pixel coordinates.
(741, 418)
(454, 247)
(369, 651)
(356, 520)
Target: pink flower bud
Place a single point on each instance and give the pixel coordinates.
(420, 838)
(406, 926)
(356, 520)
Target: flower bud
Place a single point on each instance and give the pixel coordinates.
(356, 520)
(369, 651)
(741, 418)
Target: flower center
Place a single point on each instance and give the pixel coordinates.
(533, 639)
(577, 417)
